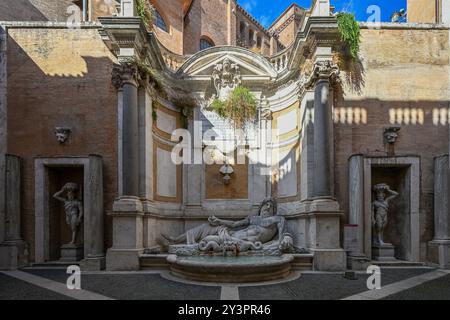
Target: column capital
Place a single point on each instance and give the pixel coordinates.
(125, 73)
(321, 70)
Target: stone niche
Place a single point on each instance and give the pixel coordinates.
(52, 234)
(397, 231)
(59, 231)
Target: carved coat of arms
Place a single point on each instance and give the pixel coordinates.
(226, 77)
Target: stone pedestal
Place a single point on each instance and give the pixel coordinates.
(128, 238)
(13, 255)
(71, 252)
(323, 229)
(383, 252)
(441, 249)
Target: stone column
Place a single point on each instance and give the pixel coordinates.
(125, 78)
(323, 222)
(324, 71)
(94, 251)
(440, 246)
(13, 250)
(127, 211)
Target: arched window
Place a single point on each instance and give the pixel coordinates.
(205, 43)
(242, 30)
(159, 22)
(251, 35)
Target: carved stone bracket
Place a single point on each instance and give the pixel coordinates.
(125, 73)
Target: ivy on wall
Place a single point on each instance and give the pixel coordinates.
(240, 106)
(350, 32)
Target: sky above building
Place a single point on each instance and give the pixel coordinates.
(266, 11)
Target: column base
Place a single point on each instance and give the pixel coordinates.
(123, 259)
(329, 259)
(440, 251)
(93, 263)
(13, 255)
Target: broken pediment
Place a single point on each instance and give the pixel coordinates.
(249, 66)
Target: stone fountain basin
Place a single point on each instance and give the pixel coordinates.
(238, 269)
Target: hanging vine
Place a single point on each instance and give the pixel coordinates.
(146, 11)
(240, 106)
(350, 32)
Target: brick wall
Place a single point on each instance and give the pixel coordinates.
(403, 78)
(60, 77)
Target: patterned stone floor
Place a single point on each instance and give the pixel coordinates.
(50, 283)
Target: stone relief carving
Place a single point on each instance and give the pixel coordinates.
(391, 134)
(226, 76)
(226, 170)
(264, 233)
(62, 134)
(72, 206)
(380, 208)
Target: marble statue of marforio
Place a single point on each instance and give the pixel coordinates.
(72, 206)
(263, 231)
(380, 209)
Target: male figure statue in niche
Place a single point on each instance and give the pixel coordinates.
(380, 208)
(72, 206)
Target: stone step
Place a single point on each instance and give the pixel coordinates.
(62, 264)
(159, 261)
(397, 263)
(153, 261)
(302, 262)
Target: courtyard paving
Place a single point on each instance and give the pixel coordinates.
(50, 283)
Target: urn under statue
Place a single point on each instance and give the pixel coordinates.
(381, 250)
(68, 195)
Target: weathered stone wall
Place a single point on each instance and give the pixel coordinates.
(423, 11)
(60, 77)
(34, 10)
(402, 79)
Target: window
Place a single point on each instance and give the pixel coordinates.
(205, 44)
(242, 30)
(159, 22)
(251, 35)
(258, 42)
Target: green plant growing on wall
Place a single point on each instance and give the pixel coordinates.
(154, 113)
(350, 32)
(146, 12)
(240, 106)
(153, 76)
(186, 115)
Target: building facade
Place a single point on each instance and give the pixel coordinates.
(80, 103)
